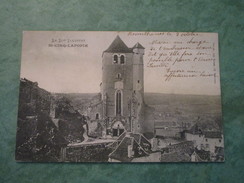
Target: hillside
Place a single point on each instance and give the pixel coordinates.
(46, 123)
(79, 101)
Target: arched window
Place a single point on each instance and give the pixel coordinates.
(118, 128)
(122, 59)
(116, 59)
(97, 116)
(118, 102)
(119, 76)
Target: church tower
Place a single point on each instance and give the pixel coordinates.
(122, 87)
(138, 88)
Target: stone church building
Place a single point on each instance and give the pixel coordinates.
(120, 105)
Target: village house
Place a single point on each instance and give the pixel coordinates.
(205, 140)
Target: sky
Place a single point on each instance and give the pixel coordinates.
(79, 69)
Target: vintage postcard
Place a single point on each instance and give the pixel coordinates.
(119, 97)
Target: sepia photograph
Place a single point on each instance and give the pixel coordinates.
(108, 96)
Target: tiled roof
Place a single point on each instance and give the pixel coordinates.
(117, 142)
(121, 136)
(149, 135)
(140, 145)
(203, 155)
(136, 136)
(142, 141)
(219, 151)
(195, 130)
(182, 147)
(138, 45)
(118, 46)
(213, 134)
(175, 157)
(121, 152)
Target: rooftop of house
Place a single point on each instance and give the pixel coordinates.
(175, 157)
(213, 134)
(140, 147)
(202, 155)
(183, 147)
(195, 130)
(219, 151)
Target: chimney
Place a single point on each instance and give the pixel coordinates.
(130, 151)
(154, 142)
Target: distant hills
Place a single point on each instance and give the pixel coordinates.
(210, 104)
(199, 103)
(160, 98)
(169, 108)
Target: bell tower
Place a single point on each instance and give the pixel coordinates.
(138, 88)
(138, 68)
(122, 79)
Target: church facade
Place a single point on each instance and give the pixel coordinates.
(120, 104)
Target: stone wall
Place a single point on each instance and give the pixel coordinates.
(88, 153)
